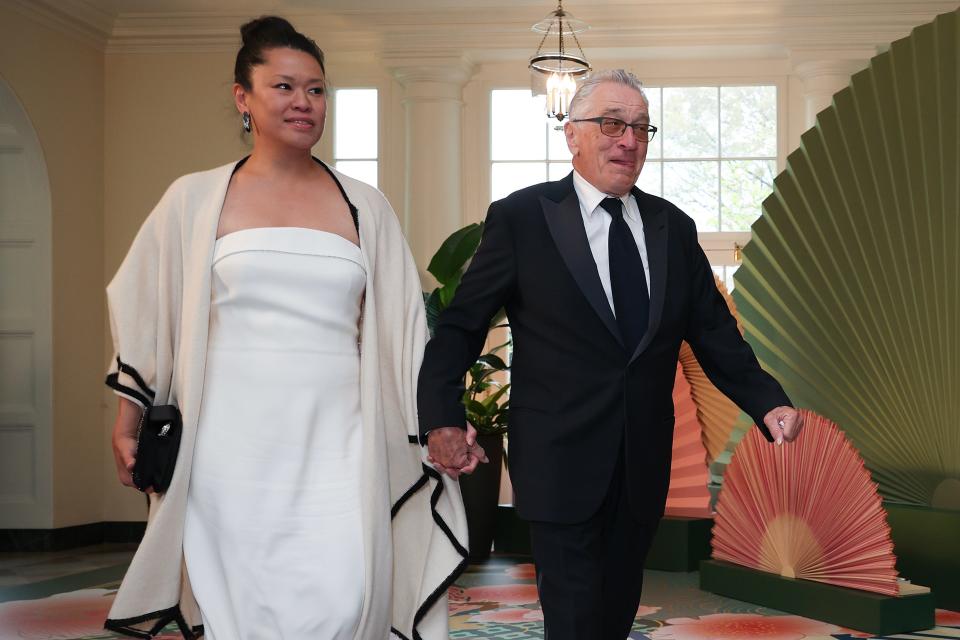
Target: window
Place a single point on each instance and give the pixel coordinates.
(716, 153)
(715, 156)
(525, 147)
(355, 135)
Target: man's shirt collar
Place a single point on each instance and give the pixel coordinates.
(590, 198)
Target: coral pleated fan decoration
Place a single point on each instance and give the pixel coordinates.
(705, 418)
(688, 494)
(716, 412)
(806, 509)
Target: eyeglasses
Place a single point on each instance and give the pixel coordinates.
(614, 128)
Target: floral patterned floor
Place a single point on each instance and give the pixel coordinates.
(498, 600)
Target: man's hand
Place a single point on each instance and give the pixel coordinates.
(783, 423)
(454, 451)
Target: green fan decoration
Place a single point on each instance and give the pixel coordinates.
(850, 289)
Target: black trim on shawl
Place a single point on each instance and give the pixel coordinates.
(163, 618)
(145, 395)
(422, 480)
(354, 212)
(430, 472)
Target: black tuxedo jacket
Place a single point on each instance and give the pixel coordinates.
(577, 396)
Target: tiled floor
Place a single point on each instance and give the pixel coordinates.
(21, 568)
(66, 596)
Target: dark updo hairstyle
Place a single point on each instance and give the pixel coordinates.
(265, 33)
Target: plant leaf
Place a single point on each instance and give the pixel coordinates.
(476, 407)
(449, 288)
(491, 400)
(454, 253)
(433, 308)
(494, 361)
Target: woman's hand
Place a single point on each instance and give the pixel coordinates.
(125, 439)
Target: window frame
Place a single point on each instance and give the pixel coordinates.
(719, 246)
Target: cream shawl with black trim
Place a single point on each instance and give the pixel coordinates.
(159, 304)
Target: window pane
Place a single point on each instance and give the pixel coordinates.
(728, 271)
(748, 122)
(362, 170)
(719, 272)
(692, 186)
(507, 177)
(690, 122)
(355, 124)
(517, 128)
(557, 142)
(725, 274)
(744, 186)
(559, 170)
(649, 181)
(655, 148)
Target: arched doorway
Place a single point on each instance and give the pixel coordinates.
(25, 323)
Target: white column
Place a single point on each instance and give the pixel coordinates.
(822, 79)
(433, 104)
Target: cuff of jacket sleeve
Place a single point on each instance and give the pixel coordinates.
(127, 382)
(134, 399)
(424, 435)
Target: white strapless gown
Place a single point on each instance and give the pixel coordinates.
(272, 535)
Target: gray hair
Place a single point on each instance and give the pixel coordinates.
(619, 76)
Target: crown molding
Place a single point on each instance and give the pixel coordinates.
(411, 67)
(220, 31)
(485, 32)
(76, 18)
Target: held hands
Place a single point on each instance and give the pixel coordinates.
(453, 451)
(784, 424)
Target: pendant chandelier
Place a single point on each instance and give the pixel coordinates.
(557, 73)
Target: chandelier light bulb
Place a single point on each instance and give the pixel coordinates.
(555, 73)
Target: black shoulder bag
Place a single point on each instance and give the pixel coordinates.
(158, 441)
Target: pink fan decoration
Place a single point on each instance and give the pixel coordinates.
(688, 493)
(705, 418)
(806, 509)
(715, 411)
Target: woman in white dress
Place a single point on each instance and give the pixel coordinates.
(278, 536)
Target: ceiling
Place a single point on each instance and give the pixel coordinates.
(116, 7)
(489, 29)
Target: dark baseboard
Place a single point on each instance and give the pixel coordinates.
(861, 610)
(71, 537)
(925, 541)
(680, 543)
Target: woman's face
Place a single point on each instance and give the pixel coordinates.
(287, 100)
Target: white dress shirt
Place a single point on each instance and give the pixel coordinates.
(596, 222)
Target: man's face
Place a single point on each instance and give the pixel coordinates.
(612, 165)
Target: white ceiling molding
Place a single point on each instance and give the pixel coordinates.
(441, 67)
(489, 30)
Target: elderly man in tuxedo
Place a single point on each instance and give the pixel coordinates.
(601, 283)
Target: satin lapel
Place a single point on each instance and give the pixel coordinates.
(566, 226)
(655, 235)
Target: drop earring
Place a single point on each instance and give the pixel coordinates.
(245, 120)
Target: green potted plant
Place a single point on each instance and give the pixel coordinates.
(486, 398)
